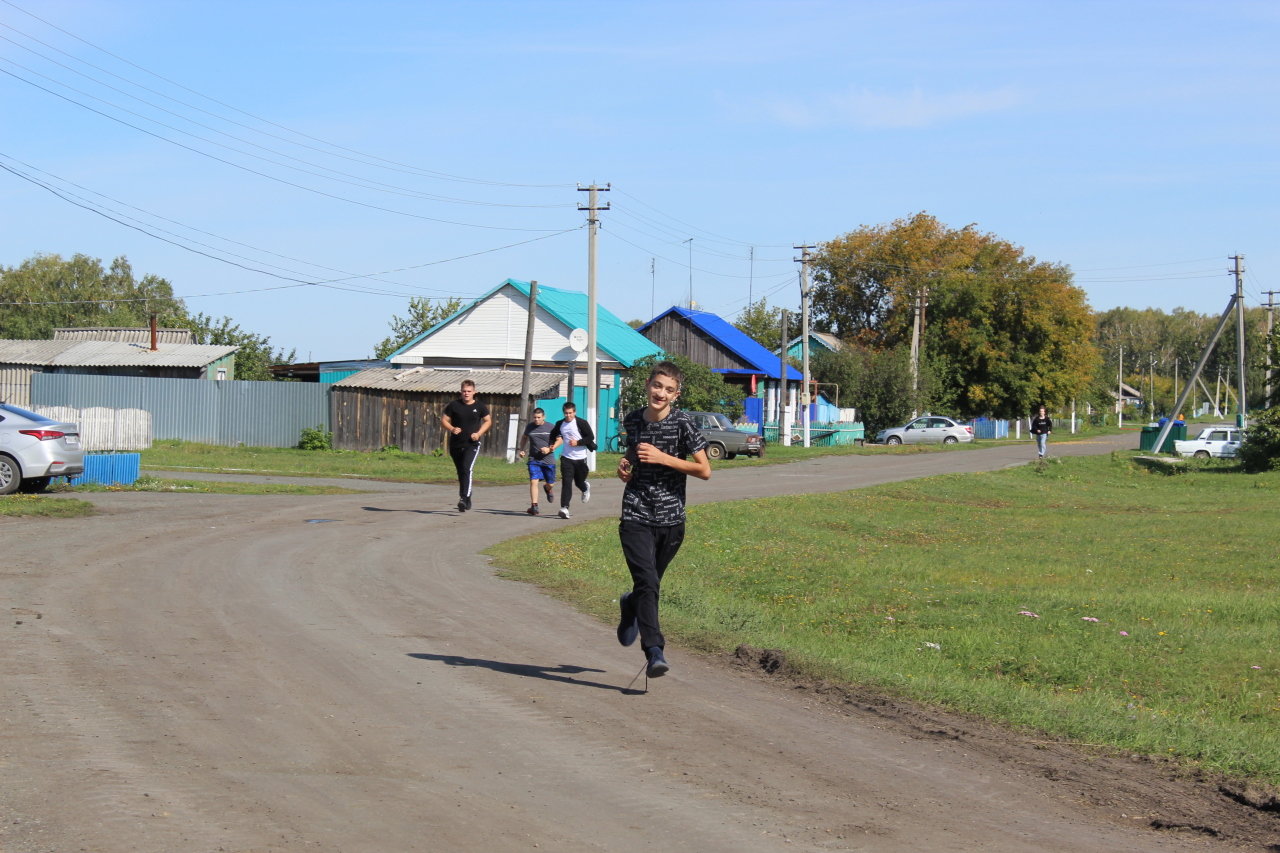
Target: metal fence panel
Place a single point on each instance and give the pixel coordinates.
(104, 429)
(109, 469)
(229, 412)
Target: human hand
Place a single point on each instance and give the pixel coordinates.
(521, 454)
(624, 470)
(456, 430)
(573, 442)
(475, 436)
(651, 455)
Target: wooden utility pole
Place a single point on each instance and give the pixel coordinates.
(784, 425)
(1271, 324)
(1242, 411)
(528, 357)
(593, 374)
(804, 325)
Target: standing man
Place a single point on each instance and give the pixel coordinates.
(1041, 426)
(576, 436)
(466, 420)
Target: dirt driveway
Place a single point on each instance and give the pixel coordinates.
(280, 673)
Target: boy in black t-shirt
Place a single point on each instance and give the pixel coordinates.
(665, 447)
(466, 420)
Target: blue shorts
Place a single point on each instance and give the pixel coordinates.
(543, 471)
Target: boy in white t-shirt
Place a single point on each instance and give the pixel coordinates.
(576, 436)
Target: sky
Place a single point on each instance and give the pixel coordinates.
(306, 168)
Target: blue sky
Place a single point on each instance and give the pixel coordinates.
(1136, 142)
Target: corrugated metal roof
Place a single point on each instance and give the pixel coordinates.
(436, 380)
(110, 354)
(744, 346)
(124, 334)
(616, 338)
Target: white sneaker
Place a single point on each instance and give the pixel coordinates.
(564, 512)
(586, 493)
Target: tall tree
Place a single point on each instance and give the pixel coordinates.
(423, 314)
(703, 390)
(1003, 333)
(255, 354)
(764, 324)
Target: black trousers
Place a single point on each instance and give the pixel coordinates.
(464, 459)
(573, 472)
(648, 551)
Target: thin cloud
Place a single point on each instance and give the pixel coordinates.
(865, 108)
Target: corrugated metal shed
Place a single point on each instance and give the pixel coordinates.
(109, 354)
(124, 334)
(435, 380)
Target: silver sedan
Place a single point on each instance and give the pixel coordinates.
(35, 449)
(929, 429)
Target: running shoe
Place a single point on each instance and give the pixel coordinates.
(551, 494)
(462, 504)
(468, 501)
(658, 666)
(532, 510)
(564, 512)
(628, 625)
(586, 492)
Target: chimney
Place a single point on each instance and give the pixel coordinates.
(154, 347)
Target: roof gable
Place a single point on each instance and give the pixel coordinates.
(731, 338)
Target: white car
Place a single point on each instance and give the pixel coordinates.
(35, 449)
(929, 429)
(1218, 441)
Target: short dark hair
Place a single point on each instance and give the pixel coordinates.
(538, 411)
(569, 405)
(670, 370)
(467, 382)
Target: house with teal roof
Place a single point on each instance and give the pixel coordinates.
(489, 334)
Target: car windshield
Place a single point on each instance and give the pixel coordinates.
(722, 421)
(23, 413)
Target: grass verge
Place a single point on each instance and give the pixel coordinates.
(1087, 598)
(19, 505)
(147, 483)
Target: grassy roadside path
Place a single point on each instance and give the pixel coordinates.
(1086, 598)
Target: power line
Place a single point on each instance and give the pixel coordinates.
(669, 260)
(686, 224)
(426, 172)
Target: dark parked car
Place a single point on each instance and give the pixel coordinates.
(723, 441)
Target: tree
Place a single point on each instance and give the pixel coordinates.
(1260, 450)
(702, 390)
(876, 382)
(635, 324)
(255, 354)
(423, 314)
(764, 324)
(1003, 332)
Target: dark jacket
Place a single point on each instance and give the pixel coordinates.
(1041, 426)
(588, 435)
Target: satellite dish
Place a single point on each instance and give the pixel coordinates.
(578, 340)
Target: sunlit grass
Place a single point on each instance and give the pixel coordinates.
(35, 505)
(1154, 598)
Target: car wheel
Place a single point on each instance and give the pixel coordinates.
(731, 456)
(951, 439)
(34, 485)
(893, 441)
(10, 475)
(715, 451)
(1202, 454)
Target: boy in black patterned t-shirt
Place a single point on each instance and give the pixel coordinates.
(664, 448)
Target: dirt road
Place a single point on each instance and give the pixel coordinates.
(279, 673)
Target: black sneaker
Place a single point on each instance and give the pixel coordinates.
(462, 504)
(532, 510)
(658, 666)
(468, 501)
(628, 625)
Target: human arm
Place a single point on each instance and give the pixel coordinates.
(588, 435)
(524, 439)
(448, 425)
(699, 466)
(484, 427)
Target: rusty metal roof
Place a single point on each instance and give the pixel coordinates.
(447, 381)
(124, 334)
(109, 354)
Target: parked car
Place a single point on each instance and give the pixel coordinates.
(1220, 441)
(723, 441)
(35, 449)
(928, 429)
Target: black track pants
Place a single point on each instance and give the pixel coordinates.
(648, 550)
(573, 472)
(464, 459)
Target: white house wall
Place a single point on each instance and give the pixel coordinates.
(495, 329)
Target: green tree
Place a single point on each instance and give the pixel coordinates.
(702, 391)
(1003, 331)
(635, 324)
(423, 314)
(764, 324)
(255, 354)
(876, 382)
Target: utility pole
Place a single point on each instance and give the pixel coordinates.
(1242, 410)
(784, 424)
(1120, 390)
(528, 357)
(804, 332)
(751, 278)
(690, 242)
(1271, 324)
(593, 369)
(653, 286)
(1195, 373)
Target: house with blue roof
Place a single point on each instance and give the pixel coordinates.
(489, 334)
(710, 340)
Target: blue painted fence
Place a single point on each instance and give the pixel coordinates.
(109, 469)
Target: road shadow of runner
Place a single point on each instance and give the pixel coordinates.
(419, 511)
(528, 670)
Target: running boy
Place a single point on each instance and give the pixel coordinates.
(577, 437)
(466, 420)
(542, 462)
(664, 448)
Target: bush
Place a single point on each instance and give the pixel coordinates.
(703, 390)
(1260, 450)
(315, 438)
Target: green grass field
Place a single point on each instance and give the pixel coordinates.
(1089, 599)
(20, 505)
(147, 483)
